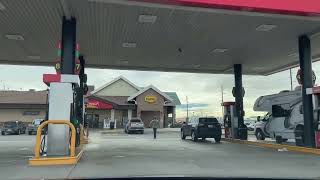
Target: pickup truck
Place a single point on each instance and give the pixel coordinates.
(202, 127)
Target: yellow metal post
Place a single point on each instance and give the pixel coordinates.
(37, 160)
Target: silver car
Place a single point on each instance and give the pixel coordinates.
(134, 125)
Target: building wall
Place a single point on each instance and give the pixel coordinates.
(17, 114)
(146, 106)
(106, 114)
(118, 117)
(103, 114)
(118, 88)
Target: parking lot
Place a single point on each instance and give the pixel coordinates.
(117, 155)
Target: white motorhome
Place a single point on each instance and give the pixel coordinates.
(284, 118)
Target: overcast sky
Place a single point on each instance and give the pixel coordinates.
(203, 90)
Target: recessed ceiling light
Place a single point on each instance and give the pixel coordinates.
(34, 57)
(15, 37)
(219, 50)
(266, 27)
(129, 45)
(147, 19)
(2, 7)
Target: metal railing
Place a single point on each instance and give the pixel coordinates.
(38, 137)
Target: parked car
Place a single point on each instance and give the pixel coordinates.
(13, 127)
(202, 127)
(33, 127)
(134, 125)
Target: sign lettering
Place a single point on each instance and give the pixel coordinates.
(150, 99)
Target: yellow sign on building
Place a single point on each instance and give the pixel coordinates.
(150, 99)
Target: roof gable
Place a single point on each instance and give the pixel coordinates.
(153, 88)
(117, 87)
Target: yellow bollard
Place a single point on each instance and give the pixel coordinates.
(72, 159)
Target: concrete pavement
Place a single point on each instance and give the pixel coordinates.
(121, 155)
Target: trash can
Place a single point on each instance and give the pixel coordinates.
(243, 132)
(112, 125)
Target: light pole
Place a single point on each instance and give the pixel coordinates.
(222, 109)
(291, 78)
(187, 108)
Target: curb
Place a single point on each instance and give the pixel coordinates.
(52, 161)
(112, 132)
(276, 146)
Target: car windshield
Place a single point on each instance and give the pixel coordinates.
(208, 120)
(10, 124)
(159, 88)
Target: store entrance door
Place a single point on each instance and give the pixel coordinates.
(147, 117)
(93, 120)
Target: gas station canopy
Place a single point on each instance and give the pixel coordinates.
(204, 36)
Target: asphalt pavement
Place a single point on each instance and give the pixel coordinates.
(122, 155)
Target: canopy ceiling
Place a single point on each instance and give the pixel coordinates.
(178, 36)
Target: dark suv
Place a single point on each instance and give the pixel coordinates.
(202, 127)
(13, 127)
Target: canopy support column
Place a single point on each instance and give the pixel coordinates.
(306, 78)
(68, 46)
(61, 95)
(238, 94)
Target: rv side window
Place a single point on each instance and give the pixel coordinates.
(301, 109)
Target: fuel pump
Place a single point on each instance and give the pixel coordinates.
(230, 120)
(62, 106)
(315, 91)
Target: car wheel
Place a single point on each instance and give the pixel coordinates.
(203, 139)
(30, 132)
(193, 136)
(182, 135)
(217, 139)
(3, 134)
(278, 139)
(142, 132)
(260, 135)
(298, 133)
(128, 132)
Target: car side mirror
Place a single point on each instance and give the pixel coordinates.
(258, 118)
